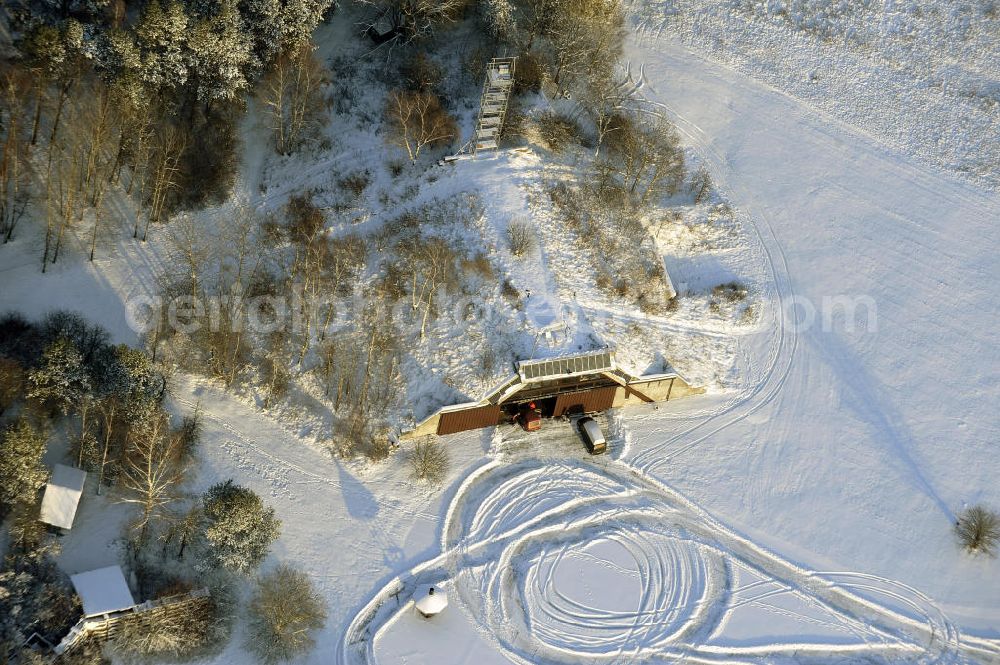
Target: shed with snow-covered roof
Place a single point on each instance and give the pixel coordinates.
(103, 591)
(62, 496)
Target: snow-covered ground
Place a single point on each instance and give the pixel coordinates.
(801, 515)
(842, 468)
(921, 76)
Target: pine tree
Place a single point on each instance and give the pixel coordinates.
(22, 473)
(498, 15)
(265, 24)
(162, 39)
(35, 595)
(134, 377)
(220, 49)
(284, 611)
(121, 65)
(300, 18)
(61, 381)
(239, 529)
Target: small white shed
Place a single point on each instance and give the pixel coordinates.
(430, 601)
(102, 591)
(62, 496)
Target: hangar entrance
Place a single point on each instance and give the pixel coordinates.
(588, 382)
(564, 404)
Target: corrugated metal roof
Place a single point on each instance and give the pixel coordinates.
(581, 363)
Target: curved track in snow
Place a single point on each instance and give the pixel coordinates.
(519, 539)
(564, 563)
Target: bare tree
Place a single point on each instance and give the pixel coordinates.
(284, 611)
(586, 37)
(97, 115)
(701, 184)
(307, 231)
(417, 120)
(644, 157)
(418, 18)
(292, 93)
(164, 172)
(431, 264)
(240, 255)
(429, 460)
(15, 165)
(64, 204)
(11, 383)
(108, 411)
(606, 97)
(152, 471)
(345, 257)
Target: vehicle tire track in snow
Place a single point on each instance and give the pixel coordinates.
(250, 445)
(511, 584)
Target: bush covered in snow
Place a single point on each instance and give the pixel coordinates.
(283, 613)
(35, 595)
(239, 528)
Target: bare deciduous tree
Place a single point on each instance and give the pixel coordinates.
(284, 612)
(292, 93)
(606, 97)
(429, 460)
(417, 120)
(417, 18)
(15, 165)
(644, 157)
(431, 264)
(701, 184)
(164, 172)
(152, 471)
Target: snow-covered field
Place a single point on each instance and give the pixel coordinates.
(920, 76)
(802, 514)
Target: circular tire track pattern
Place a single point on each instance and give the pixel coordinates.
(571, 570)
(673, 576)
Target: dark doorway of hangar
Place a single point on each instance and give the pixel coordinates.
(565, 404)
(545, 407)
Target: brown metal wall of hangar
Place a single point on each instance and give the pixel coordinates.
(466, 419)
(584, 382)
(587, 401)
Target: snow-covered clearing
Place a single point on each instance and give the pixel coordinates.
(801, 515)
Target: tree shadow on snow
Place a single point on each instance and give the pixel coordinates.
(866, 397)
(360, 502)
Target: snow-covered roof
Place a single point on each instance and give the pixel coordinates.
(103, 591)
(430, 600)
(579, 363)
(62, 495)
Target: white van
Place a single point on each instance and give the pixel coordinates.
(592, 435)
